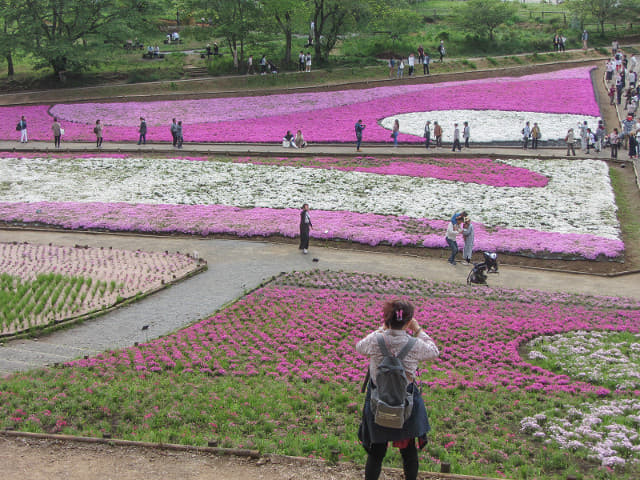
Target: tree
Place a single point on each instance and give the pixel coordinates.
(74, 34)
(8, 37)
(330, 17)
(232, 19)
(602, 11)
(285, 12)
(484, 16)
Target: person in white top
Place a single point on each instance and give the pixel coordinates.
(398, 321)
(412, 63)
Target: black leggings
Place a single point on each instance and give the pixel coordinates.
(376, 456)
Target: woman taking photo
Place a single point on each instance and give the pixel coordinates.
(394, 334)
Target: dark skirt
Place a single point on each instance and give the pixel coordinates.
(304, 236)
(416, 426)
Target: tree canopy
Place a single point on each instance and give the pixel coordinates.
(484, 16)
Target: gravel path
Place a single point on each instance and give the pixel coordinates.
(236, 266)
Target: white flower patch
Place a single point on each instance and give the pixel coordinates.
(597, 427)
(591, 357)
(577, 199)
(490, 125)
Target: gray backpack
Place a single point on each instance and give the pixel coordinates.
(391, 404)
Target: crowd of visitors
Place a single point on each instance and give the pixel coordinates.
(621, 78)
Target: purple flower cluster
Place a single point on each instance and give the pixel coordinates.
(367, 229)
(322, 116)
(286, 331)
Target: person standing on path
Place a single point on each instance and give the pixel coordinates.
(441, 50)
(395, 132)
(584, 134)
(585, 39)
(425, 64)
(535, 136)
(394, 335)
(174, 132)
(307, 60)
(142, 129)
(392, 64)
(305, 225)
(453, 229)
(179, 134)
(468, 236)
(614, 140)
(98, 131)
(22, 127)
(57, 132)
(412, 63)
(437, 131)
(420, 55)
(456, 138)
(600, 134)
(401, 67)
(466, 134)
(526, 133)
(250, 70)
(359, 128)
(427, 134)
(570, 141)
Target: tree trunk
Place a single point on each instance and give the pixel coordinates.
(10, 70)
(318, 13)
(287, 48)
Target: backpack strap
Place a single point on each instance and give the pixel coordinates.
(407, 348)
(383, 346)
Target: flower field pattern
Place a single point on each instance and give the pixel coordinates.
(278, 371)
(322, 116)
(46, 284)
(537, 208)
(479, 337)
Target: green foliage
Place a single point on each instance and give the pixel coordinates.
(484, 16)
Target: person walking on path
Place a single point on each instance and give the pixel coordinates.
(427, 134)
(142, 129)
(420, 55)
(307, 60)
(179, 134)
(359, 128)
(98, 131)
(395, 132)
(22, 128)
(250, 70)
(174, 132)
(57, 132)
(305, 225)
(570, 141)
(466, 134)
(468, 236)
(526, 133)
(441, 50)
(456, 138)
(392, 64)
(393, 337)
(627, 126)
(535, 136)
(453, 229)
(600, 134)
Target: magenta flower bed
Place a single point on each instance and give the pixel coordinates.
(367, 229)
(316, 329)
(322, 116)
(478, 170)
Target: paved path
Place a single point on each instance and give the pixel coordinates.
(224, 149)
(236, 266)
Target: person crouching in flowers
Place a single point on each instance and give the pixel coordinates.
(398, 321)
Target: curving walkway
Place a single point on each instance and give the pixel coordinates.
(236, 266)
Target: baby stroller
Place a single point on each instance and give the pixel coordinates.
(478, 273)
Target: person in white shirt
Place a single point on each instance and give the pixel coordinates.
(412, 63)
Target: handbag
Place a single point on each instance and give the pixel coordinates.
(61, 131)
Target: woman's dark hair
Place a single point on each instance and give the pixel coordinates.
(397, 313)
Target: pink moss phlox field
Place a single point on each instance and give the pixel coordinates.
(364, 228)
(322, 116)
(287, 331)
(478, 170)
